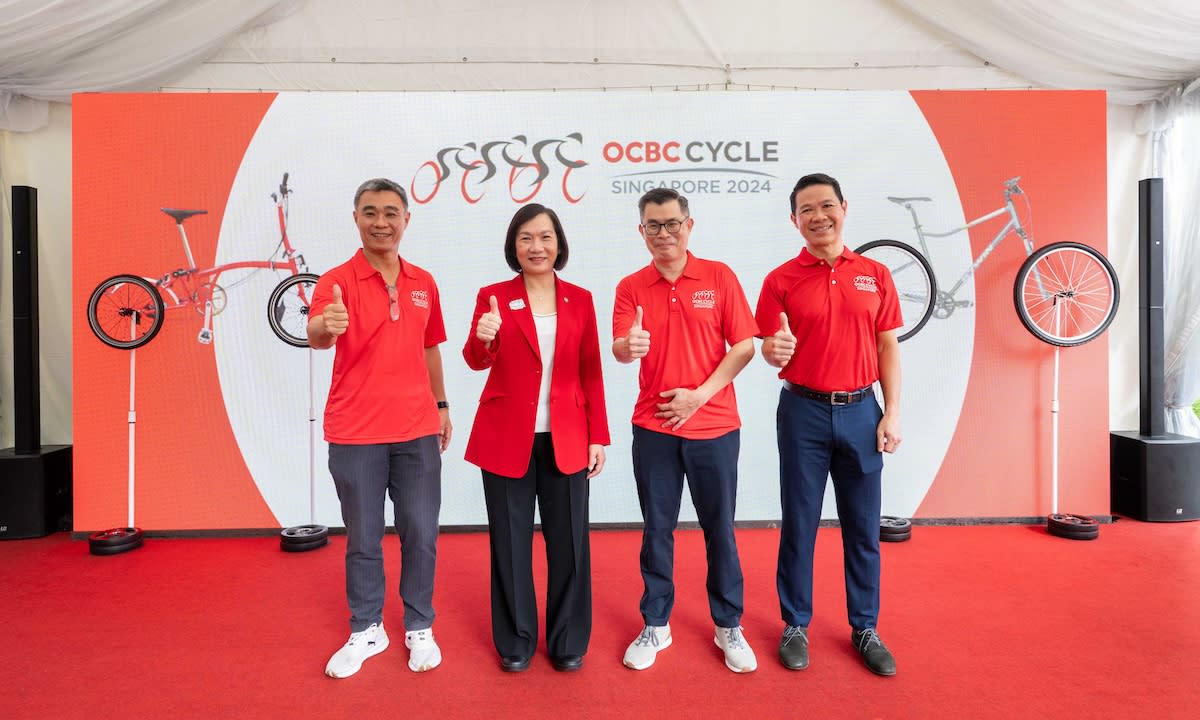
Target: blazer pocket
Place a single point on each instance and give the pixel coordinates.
(490, 395)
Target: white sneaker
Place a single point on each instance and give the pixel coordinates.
(738, 655)
(423, 652)
(641, 652)
(361, 645)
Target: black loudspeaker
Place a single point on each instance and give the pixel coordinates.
(35, 492)
(27, 411)
(1153, 475)
(1150, 307)
(1154, 478)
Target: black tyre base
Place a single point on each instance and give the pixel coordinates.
(115, 541)
(303, 538)
(894, 529)
(1072, 527)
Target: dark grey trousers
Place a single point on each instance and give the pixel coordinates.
(410, 473)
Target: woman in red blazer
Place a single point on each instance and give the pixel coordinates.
(539, 435)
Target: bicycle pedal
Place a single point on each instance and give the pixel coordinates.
(204, 337)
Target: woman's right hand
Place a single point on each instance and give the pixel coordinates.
(489, 323)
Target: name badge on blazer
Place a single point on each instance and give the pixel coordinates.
(517, 304)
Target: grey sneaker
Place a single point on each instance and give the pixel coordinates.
(642, 651)
(793, 647)
(874, 653)
(738, 655)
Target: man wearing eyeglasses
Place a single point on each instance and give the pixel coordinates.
(386, 421)
(687, 322)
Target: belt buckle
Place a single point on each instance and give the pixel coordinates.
(840, 397)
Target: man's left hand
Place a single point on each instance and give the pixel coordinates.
(887, 435)
(445, 430)
(681, 404)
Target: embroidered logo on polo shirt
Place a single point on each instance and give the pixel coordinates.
(704, 299)
(420, 298)
(866, 283)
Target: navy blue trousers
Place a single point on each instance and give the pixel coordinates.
(660, 462)
(818, 441)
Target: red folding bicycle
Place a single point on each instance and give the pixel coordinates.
(127, 311)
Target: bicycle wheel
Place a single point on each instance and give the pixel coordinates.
(125, 312)
(913, 277)
(1066, 294)
(287, 310)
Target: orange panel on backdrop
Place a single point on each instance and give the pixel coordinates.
(999, 463)
(183, 151)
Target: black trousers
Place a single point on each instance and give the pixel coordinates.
(563, 501)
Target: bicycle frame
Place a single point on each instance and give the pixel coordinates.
(192, 281)
(1013, 225)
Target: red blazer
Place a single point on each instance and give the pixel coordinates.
(502, 436)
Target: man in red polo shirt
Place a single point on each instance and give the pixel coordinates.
(688, 322)
(386, 421)
(828, 318)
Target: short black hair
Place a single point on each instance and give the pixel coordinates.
(381, 185)
(815, 179)
(661, 196)
(524, 215)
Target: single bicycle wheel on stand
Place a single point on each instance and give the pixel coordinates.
(287, 314)
(125, 312)
(1066, 294)
(916, 287)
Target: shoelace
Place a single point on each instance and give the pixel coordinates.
(733, 638)
(791, 633)
(361, 635)
(419, 637)
(648, 637)
(868, 637)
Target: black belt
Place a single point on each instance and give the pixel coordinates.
(838, 397)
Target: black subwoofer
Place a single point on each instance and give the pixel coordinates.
(1155, 478)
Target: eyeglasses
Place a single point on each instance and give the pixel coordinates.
(671, 226)
(393, 302)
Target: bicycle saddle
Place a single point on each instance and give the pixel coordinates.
(181, 215)
(903, 200)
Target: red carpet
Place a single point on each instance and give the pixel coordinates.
(990, 622)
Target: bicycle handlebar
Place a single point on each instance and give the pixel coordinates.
(283, 188)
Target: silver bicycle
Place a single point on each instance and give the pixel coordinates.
(1065, 293)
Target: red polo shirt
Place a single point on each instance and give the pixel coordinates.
(380, 389)
(836, 314)
(692, 322)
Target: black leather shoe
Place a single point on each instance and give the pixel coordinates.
(514, 663)
(793, 648)
(874, 653)
(567, 663)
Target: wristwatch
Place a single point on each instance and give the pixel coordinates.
(443, 405)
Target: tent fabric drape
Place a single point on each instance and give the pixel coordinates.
(50, 49)
(1135, 50)
(1179, 148)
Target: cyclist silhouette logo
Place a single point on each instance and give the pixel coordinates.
(529, 166)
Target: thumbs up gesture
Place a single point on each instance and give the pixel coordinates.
(489, 323)
(335, 316)
(783, 343)
(638, 339)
